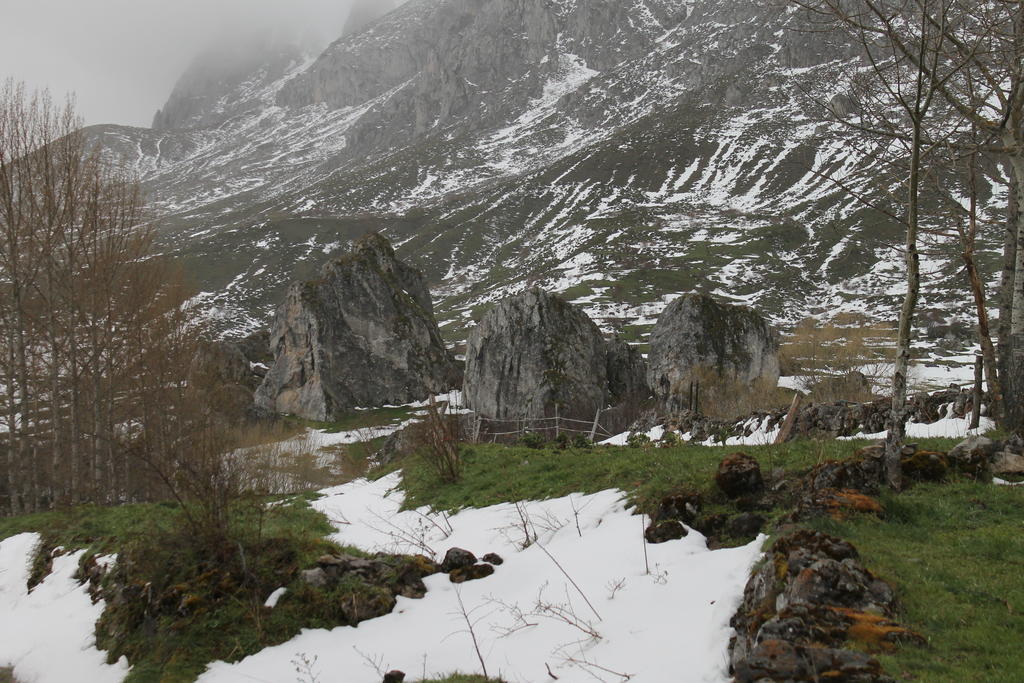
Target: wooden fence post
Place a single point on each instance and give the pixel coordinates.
(787, 424)
(593, 430)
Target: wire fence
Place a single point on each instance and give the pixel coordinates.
(493, 429)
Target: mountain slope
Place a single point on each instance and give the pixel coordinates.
(622, 152)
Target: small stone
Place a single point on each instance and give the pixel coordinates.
(972, 444)
(463, 574)
(1005, 462)
(925, 466)
(746, 525)
(314, 577)
(683, 507)
(492, 558)
(457, 558)
(669, 530)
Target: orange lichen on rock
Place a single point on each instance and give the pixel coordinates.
(841, 502)
(876, 633)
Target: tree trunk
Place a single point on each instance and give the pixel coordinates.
(896, 427)
(1013, 387)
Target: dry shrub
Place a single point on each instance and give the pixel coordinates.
(437, 440)
(726, 398)
(824, 356)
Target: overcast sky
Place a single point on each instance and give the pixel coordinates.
(122, 57)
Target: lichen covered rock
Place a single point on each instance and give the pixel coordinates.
(803, 608)
(739, 475)
(362, 334)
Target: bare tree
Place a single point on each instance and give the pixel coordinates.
(96, 336)
(902, 45)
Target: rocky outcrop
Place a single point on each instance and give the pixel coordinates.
(627, 373)
(696, 334)
(430, 57)
(534, 354)
(226, 369)
(362, 334)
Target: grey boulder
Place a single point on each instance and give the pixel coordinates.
(362, 334)
(534, 354)
(698, 333)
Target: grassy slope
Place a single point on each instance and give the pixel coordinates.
(955, 553)
(494, 474)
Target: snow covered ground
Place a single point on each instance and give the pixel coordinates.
(581, 598)
(48, 634)
(605, 613)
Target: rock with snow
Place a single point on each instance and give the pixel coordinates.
(470, 573)
(696, 333)
(457, 558)
(362, 334)
(534, 354)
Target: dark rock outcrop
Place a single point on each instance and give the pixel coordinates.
(696, 332)
(668, 530)
(627, 373)
(534, 353)
(362, 334)
(739, 475)
(224, 369)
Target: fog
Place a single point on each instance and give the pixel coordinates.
(121, 58)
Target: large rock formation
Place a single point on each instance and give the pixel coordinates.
(362, 334)
(696, 333)
(534, 353)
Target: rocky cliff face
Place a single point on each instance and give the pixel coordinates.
(470, 61)
(696, 332)
(534, 354)
(212, 89)
(362, 334)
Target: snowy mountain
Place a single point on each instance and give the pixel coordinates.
(620, 151)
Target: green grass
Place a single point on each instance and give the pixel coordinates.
(494, 474)
(955, 554)
(94, 527)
